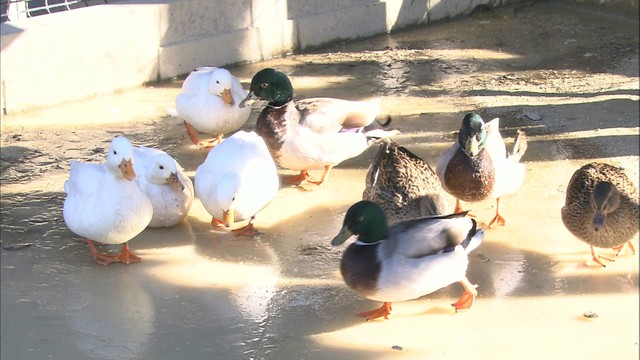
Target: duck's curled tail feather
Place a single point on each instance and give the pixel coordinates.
(474, 238)
(379, 130)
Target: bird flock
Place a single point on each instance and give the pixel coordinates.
(409, 241)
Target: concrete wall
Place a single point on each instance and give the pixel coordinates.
(68, 56)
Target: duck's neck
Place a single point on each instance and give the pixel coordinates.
(373, 234)
(279, 103)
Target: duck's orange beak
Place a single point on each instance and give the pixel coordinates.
(227, 97)
(175, 182)
(228, 217)
(126, 168)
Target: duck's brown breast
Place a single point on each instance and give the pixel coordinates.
(470, 179)
(271, 125)
(360, 268)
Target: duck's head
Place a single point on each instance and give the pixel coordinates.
(226, 193)
(163, 170)
(365, 219)
(605, 199)
(220, 85)
(120, 157)
(472, 135)
(271, 85)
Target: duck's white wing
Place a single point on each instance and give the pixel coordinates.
(84, 178)
(495, 144)
(510, 171)
(326, 115)
(195, 83)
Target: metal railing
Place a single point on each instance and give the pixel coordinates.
(11, 10)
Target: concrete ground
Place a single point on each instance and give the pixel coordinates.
(565, 75)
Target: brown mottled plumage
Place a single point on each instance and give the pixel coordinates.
(403, 184)
(605, 215)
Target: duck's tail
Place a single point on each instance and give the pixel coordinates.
(374, 168)
(519, 147)
(474, 238)
(379, 130)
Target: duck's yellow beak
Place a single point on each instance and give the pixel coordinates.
(344, 234)
(228, 217)
(474, 147)
(175, 182)
(227, 97)
(126, 168)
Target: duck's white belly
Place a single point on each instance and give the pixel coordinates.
(110, 217)
(209, 114)
(404, 278)
(304, 149)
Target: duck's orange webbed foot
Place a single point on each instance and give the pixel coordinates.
(382, 311)
(468, 297)
(458, 209)
(596, 258)
(100, 258)
(216, 223)
(498, 219)
(313, 185)
(210, 143)
(127, 257)
(621, 248)
(295, 180)
(192, 133)
(247, 230)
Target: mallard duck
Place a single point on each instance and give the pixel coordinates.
(237, 179)
(478, 166)
(406, 260)
(403, 184)
(601, 208)
(313, 133)
(105, 204)
(208, 102)
(164, 182)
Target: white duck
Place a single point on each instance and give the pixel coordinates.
(208, 103)
(105, 204)
(237, 179)
(165, 183)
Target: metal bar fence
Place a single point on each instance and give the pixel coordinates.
(11, 10)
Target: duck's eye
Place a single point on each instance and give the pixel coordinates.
(217, 81)
(264, 85)
(360, 219)
(115, 152)
(161, 167)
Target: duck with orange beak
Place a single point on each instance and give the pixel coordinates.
(104, 203)
(208, 103)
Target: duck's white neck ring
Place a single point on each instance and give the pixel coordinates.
(358, 242)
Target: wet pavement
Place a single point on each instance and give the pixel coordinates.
(565, 75)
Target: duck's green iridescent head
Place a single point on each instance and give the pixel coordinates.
(365, 219)
(472, 135)
(272, 85)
